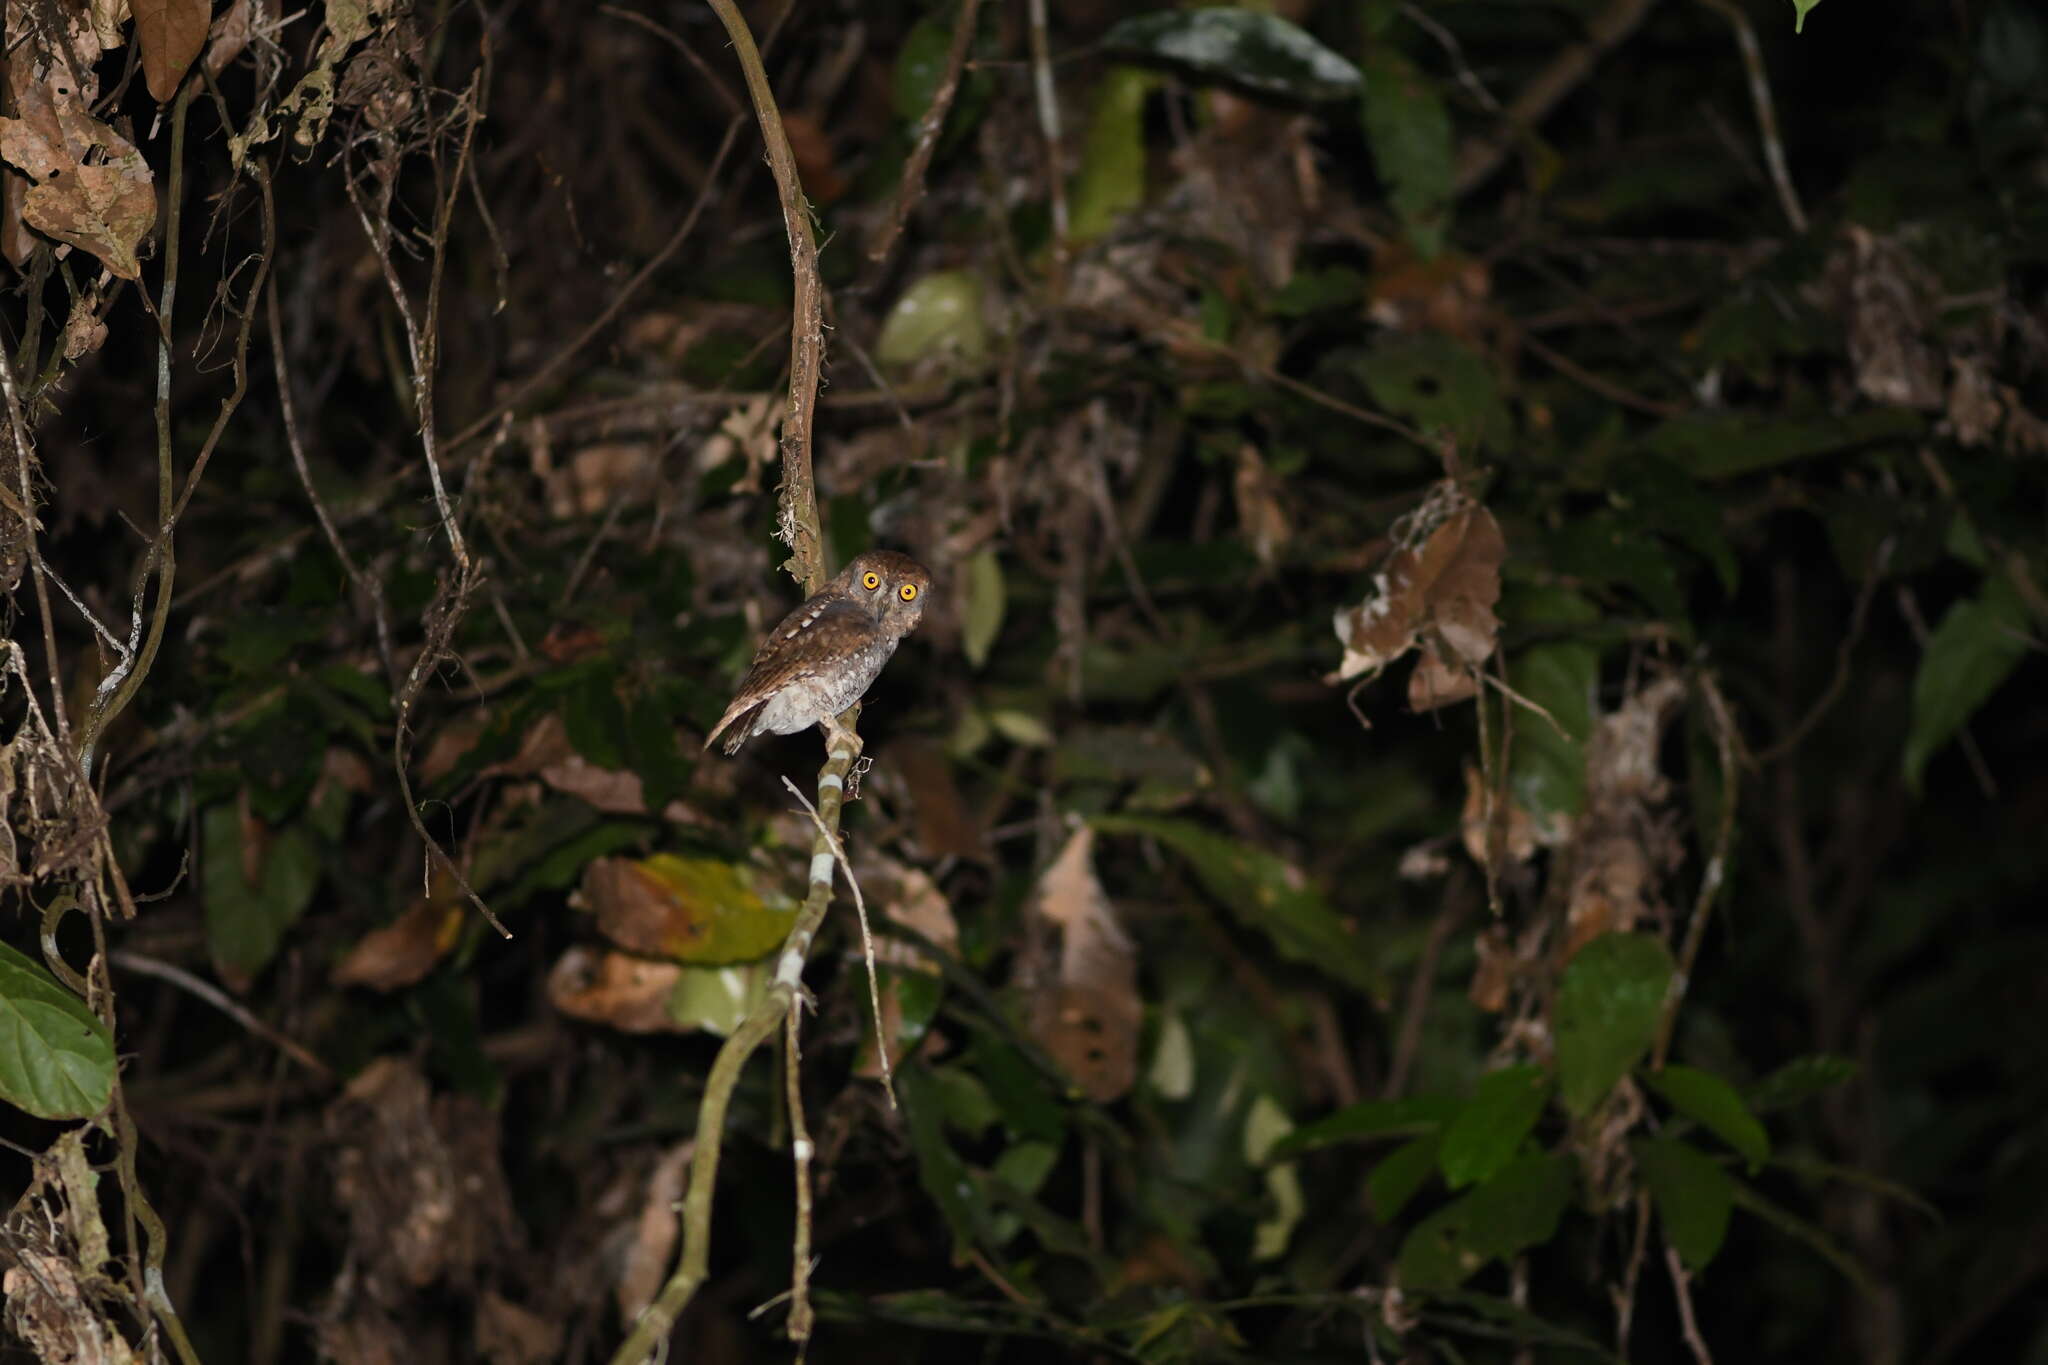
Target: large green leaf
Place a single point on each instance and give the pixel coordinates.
(1265, 892)
(1410, 132)
(56, 1056)
(1515, 1210)
(1547, 769)
(1721, 445)
(1608, 1006)
(1371, 1119)
(1399, 1175)
(246, 921)
(1974, 649)
(1694, 1197)
(1244, 47)
(1438, 383)
(1111, 181)
(1800, 1079)
(1711, 1101)
(1489, 1129)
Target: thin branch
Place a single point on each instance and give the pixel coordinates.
(797, 517)
(867, 939)
(1681, 1286)
(781, 997)
(1478, 160)
(1766, 110)
(1725, 746)
(802, 1149)
(220, 1000)
(910, 188)
(1049, 126)
(525, 387)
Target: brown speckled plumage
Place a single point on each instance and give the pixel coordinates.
(825, 655)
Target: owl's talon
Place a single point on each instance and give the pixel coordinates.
(854, 775)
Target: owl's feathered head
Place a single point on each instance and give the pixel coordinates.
(891, 585)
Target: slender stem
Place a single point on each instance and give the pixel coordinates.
(757, 1028)
(797, 518)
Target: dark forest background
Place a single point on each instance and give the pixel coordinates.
(1471, 788)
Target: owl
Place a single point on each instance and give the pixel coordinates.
(827, 653)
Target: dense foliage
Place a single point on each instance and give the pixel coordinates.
(1467, 790)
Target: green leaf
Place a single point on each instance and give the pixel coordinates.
(1440, 384)
(1975, 649)
(1712, 1102)
(986, 599)
(1694, 1197)
(1264, 892)
(1245, 47)
(245, 922)
(1488, 1130)
(595, 719)
(1111, 181)
(1800, 1079)
(1723, 445)
(940, 1170)
(1399, 1175)
(1547, 770)
(1409, 130)
(937, 318)
(1607, 1010)
(1372, 1119)
(716, 999)
(715, 912)
(1792, 1225)
(56, 1056)
(1800, 9)
(1517, 1209)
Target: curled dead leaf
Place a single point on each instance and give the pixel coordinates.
(1439, 587)
(627, 993)
(1089, 1019)
(170, 34)
(91, 189)
(401, 953)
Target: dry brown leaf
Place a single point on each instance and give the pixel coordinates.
(1891, 301)
(1261, 518)
(1516, 836)
(1622, 845)
(605, 987)
(401, 953)
(170, 34)
(655, 1232)
(946, 826)
(1435, 683)
(1446, 293)
(231, 31)
(1442, 580)
(1089, 1019)
(507, 1334)
(106, 18)
(92, 188)
(1495, 971)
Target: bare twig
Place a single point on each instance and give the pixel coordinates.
(1845, 648)
(781, 997)
(1448, 41)
(1725, 747)
(1049, 126)
(220, 1000)
(867, 939)
(1457, 903)
(1681, 1286)
(802, 1149)
(1478, 160)
(911, 187)
(525, 387)
(1766, 110)
(1625, 1296)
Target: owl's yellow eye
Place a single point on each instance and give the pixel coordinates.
(908, 592)
(871, 580)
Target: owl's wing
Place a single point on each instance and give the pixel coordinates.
(801, 642)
